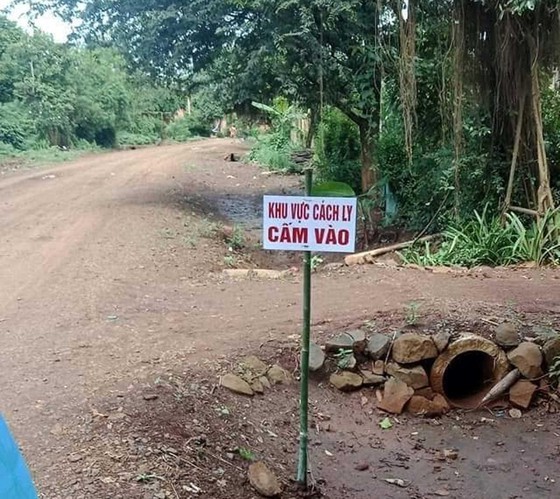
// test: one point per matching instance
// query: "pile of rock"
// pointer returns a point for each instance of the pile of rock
(254, 376)
(406, 370)
(400, 367)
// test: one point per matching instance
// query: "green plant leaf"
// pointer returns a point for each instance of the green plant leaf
(246, 454)
(333, 189)
(386, 424)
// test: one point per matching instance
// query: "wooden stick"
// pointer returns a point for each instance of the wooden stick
(525, 211)
(500, 387)
(369, 256)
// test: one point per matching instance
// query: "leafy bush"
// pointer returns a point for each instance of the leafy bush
(186, 128)
(15, 125)
(271, 153)
(486, 240)
(274, 149)
(135, 139)
(338, 149)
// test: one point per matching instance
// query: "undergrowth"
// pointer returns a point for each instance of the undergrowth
(487, 240)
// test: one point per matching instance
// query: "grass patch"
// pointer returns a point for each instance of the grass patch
(487, 240)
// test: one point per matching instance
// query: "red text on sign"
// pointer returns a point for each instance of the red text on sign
(278, 210)
(332, 236)
(287, 234)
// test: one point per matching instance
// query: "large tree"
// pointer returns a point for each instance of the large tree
(316, 52)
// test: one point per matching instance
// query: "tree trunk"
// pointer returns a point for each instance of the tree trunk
(369, 172)
(312, 126)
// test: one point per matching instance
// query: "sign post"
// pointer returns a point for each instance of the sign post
(308, 223)
(305, 340)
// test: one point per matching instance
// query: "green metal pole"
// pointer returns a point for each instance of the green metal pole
(304, 398)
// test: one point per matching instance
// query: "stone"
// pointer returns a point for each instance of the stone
(255, 365)
(395, 396)
(441, 340)
(415, 377)
(378, 346)
(263, 480)
(236, 384)
(358, 335)
(257, 386)
(425, 392)
(378, 367)
(346, 381)
(371, 379)
(343, 341)
(360, 340)
(421, 406)
(413, 347)
(316, 357)
(507, 335)
(278, 375)
(527, 357)
(551, 350)
(347, 362)
(264, 382)
(521, 394)
(441, 401)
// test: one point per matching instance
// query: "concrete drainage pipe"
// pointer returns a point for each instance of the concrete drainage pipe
(467, 370)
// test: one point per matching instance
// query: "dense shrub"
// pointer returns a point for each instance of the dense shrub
(338, 149)
(186, 128)
(135, 139)
(487, 240)
(15, 125)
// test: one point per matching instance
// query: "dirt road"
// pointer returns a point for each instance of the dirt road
(106, 275)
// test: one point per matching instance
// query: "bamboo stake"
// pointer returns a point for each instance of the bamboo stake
(305, 340)
(500, 387)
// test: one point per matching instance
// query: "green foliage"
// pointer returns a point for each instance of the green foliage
(58, 95)
(266, 153)
(274, 149)
(554, 372)
(338, 149)
(135, 139)
(344, 357)
(539, 243)
(186, 128)
(246, 454)
(486, 240)
(236, 241)
(412, 313)
(333, 189)
(16, 126)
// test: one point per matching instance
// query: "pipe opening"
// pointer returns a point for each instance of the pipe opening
(468, 377)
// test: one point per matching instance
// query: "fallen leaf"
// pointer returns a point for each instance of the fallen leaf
(441, 493)
(386, 424)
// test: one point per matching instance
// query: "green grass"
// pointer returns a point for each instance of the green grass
(487, 240)
(11, 158)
